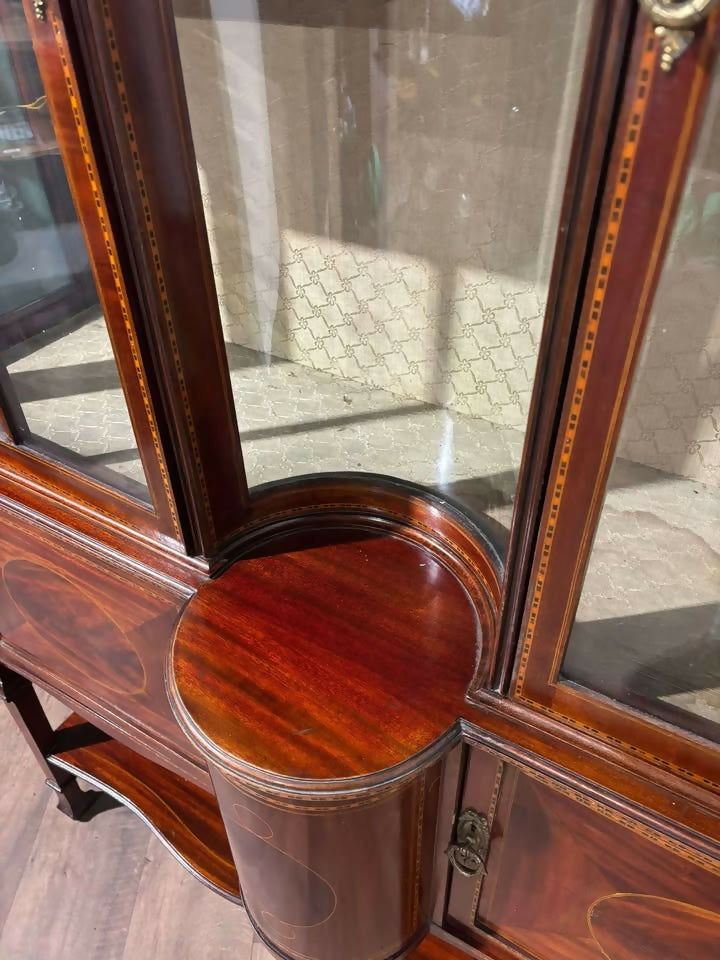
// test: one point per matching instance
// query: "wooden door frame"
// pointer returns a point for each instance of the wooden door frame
(63, 488)
(130, 51)
(658, 126)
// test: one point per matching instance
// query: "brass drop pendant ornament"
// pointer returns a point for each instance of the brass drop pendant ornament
(674, 25)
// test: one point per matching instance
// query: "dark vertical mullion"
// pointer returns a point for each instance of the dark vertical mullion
(131, 48)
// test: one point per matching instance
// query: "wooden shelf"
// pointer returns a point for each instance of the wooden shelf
(183, 816)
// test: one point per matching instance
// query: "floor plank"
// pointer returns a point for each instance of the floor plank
(23, 800)
(177, 918)
(102, 890)
(78, 891)
(23, 806)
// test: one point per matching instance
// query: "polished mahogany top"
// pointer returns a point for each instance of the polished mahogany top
(328, 653)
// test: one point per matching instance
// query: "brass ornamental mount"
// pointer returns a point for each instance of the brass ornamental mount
(472, 839)
(40, 9)
(673, 24)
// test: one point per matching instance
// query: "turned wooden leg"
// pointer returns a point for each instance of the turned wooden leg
(25, 708)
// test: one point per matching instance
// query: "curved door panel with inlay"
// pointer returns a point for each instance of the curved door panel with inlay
(94, 629)
(569, 878)
(346, 876)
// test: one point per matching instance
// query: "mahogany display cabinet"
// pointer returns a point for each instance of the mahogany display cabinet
(360, 457)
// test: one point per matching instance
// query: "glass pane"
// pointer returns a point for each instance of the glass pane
(648, 625)
(61, 388)
(381, 184)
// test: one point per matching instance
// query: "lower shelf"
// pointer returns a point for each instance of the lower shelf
(183, 816)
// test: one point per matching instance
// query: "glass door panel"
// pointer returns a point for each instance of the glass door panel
(61, 389)
(647, 631)
(382, 184)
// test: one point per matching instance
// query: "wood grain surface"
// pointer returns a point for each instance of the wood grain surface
(337, 877)
(323, 673)
(433, 948)
(572, 880)
(359, 662)
(100, 626)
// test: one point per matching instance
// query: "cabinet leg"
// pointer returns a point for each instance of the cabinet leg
(27, 712)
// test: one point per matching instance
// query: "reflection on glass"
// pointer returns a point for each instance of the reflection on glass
(648, 624)
(61, 388)
(381, 184)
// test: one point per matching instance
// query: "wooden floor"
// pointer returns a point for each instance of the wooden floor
(101, 890)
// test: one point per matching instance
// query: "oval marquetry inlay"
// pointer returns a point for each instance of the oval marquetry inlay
(633, 926)
(80, 631)
(299, 897)
(250, 821)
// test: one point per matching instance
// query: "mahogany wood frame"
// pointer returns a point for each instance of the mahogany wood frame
(656, 132)
(140, 96)
(101, 30)
(76, 143)
(491, 781)
(144, 232)
(147, 186)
